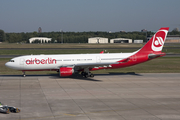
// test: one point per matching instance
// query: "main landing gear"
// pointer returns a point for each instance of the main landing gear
(87, 74)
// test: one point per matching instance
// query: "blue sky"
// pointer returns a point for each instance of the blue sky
(88, 15)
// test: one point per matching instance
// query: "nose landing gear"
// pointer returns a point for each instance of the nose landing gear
(24, 74)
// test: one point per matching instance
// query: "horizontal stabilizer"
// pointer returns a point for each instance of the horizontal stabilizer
(152, 56)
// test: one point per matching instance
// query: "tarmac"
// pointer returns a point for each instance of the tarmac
(123, 96)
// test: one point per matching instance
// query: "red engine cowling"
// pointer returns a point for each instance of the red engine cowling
(66, 71)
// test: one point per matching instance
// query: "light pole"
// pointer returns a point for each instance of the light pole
(146, 37)
(62, 36)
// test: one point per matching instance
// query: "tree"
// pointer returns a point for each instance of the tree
(176, 29)
(74, 37)
(2, 36)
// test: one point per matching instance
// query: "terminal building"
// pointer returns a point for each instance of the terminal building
(170, 39)
(121, 40)
(98, 40)
(138, 41)
(42, 39)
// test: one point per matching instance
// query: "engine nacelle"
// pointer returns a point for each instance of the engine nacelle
(66, 71)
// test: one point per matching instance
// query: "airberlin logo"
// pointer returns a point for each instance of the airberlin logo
(158, 40)
(40, 61)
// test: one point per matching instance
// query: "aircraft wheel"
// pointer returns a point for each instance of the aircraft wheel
(24, 74)
(85, 76)
(91, 75)
(82, 73)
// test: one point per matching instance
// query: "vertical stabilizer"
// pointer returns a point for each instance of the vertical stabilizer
(155, 44)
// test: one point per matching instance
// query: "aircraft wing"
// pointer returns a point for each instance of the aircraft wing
(79, 66)
(92, 65)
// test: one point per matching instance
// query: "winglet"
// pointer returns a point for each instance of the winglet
(101, 52)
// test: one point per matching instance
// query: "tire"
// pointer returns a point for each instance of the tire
(91, 75)
(85, 76)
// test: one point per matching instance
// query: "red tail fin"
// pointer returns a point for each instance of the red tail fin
(152, 49)
(155, 44)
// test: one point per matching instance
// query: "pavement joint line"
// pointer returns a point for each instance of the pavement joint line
(76, 114)
(133, 103)
(161, 93)
(159, 102)
(109, 106)
(88, 92)
(141, 108)
(102, 101)
(152, 99)
(162, 104)
(46, 99)
(73, 99)
(20, 96)
(124, 99)
(32, 118)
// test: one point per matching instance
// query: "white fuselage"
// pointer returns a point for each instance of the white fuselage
(51, 62)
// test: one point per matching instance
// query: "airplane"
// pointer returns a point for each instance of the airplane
(69, 64)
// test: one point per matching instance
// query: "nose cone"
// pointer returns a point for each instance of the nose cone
(7, 64)
(12, 65)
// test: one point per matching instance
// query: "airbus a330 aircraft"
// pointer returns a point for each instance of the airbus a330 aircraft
(68, 64)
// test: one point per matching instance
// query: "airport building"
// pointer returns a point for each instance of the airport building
(121, 40)
(97, 40)
(170, 39)
(42, 39)
(138, 41)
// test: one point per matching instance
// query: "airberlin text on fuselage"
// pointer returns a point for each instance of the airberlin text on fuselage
(40, 61)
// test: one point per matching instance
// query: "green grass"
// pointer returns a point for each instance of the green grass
(82, 45)
(111, 48)
(71, 51)
(159, 65)
(59, 51)
(168, 50)
(68, 45)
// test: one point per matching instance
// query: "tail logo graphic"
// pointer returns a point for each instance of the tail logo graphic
(158, 40)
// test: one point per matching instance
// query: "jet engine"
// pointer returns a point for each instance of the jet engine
(66, 71)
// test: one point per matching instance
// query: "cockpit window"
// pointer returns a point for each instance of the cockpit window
(11, 61)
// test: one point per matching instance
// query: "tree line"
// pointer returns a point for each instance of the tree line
(74, 37)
